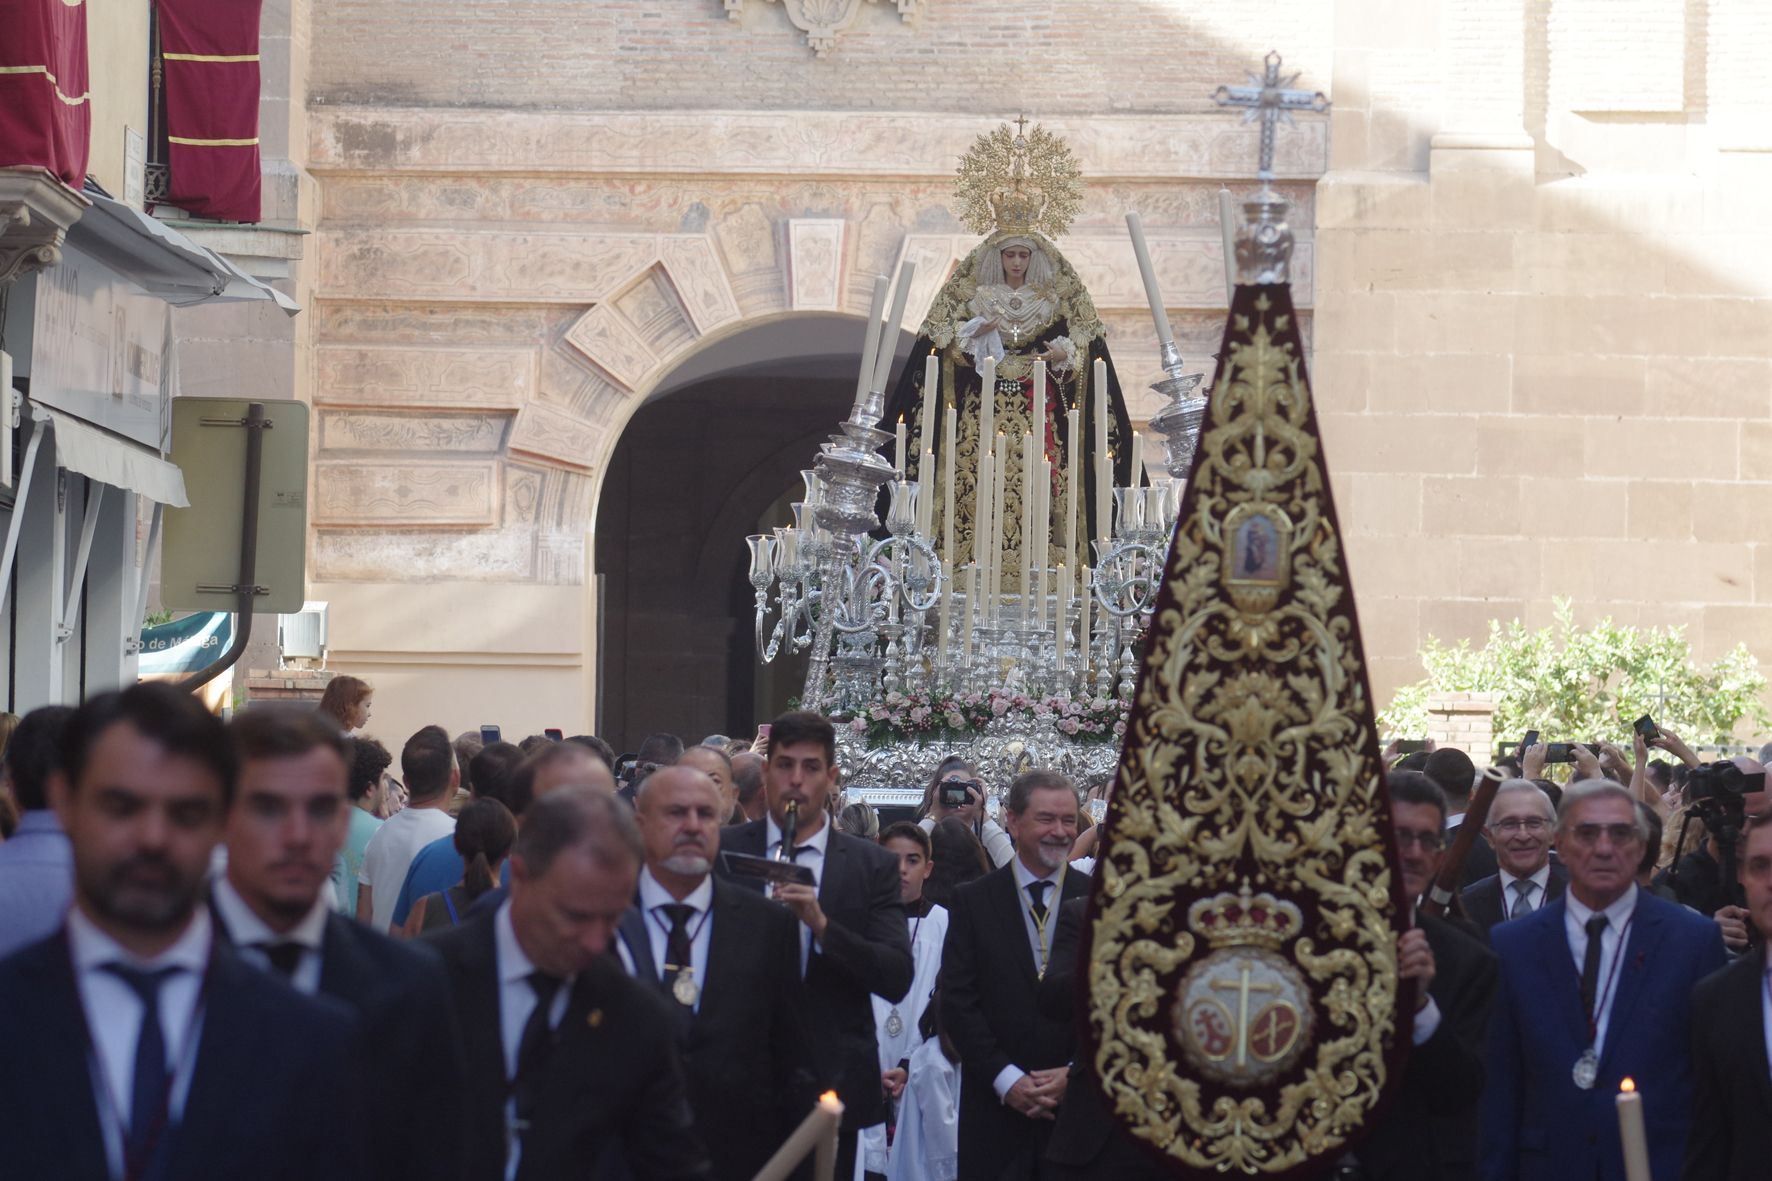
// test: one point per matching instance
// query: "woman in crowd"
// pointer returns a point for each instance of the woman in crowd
(484, 834)
(347, 701)
(957, 858)
(859, 820)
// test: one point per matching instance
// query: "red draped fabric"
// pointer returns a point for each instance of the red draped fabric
(210, 51)
(45, 116)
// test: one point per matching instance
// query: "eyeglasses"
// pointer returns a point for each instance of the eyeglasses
(1618, 834)
(1512, 825)
(1427, 842)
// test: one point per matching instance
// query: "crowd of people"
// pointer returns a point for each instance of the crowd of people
(252, 949)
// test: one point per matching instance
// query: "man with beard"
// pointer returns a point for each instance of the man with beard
(1521, 821)
(999, 942)
(274, 904)
(728, 963)
(137, 1044)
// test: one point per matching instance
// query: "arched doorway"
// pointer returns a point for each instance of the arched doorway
(713, 455)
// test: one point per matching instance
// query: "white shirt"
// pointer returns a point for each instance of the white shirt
(658, 928)
(1039, 948)
(1575, 916)
(516, 1001)
(389, 855)
(248, 931)
(114, 1017)
(811, 856)
(1536, 896)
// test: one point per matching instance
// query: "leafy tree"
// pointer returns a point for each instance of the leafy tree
(1582, 684)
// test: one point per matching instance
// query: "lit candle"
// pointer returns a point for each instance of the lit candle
(1137, 458)
(871, 342)
(1630, 1132)
(931, 383)
(1152, 293)
(816, 1136)
(1227, 229)
(949, 432)
(898, 451)
(1073, 470)
(1103, 479)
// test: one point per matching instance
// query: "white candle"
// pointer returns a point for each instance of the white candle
(889, 333)
(1042, 537)
(816, 1134)
(1227, 229)
(1137, 458)
(1073, 470)
(898, 450)
(999, 466)
(871, 341)
(968, 613)
(987, 417)
(1039, 420)
(1062, 578)
(931, 383)
(1085, 599)
(949, 432)
(1630, 1132)
(987, 402)
(1103, 477)
(926, 493)
(944, 617)
(1028, 496)
(1152, 292)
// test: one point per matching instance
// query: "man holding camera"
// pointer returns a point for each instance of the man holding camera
(1731, 1138)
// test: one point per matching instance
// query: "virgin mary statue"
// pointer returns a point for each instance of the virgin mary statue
(1016, 300)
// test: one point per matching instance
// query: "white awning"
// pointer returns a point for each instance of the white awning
(160, 260)
(111, 460)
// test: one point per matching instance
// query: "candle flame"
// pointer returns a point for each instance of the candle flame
(829, 1099)
(1628, 1086)
(901, 420)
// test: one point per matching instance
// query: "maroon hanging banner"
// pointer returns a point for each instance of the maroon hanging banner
(45, 112)
(210, 51)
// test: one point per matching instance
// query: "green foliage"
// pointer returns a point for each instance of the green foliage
(1581, 684)
(156, 618)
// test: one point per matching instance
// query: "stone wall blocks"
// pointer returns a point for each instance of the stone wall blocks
(1399, 443)
(1490, 568)
(1471, 506)
(1518, 445)
(1642, 446)
(1662, 510)
(1736, 511)
(1555, 506)
(1359, 201)
(1579, 384)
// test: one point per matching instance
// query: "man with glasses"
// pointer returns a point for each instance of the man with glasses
(1521, 821)
(1596, 987)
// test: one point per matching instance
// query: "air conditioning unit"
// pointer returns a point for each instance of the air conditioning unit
(301, 638)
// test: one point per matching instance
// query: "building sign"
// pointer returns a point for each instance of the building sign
(186, 645)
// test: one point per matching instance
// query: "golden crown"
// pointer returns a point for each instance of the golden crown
(1244, 919)
(1018, 181)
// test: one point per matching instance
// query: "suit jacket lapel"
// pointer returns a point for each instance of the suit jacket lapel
(1009, 900)
(56, 1038)
(722, 950)
(1562, 983)
(633, 932)
(222, 1071)
(836, 865)
(1632, 970)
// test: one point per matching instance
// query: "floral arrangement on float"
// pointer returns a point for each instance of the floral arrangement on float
(958, 717)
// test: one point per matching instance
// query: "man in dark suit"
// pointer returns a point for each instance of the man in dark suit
(1430, 1130)
(854, 941)
(1731, 1137)
(1014, 1062)
(274, 904)
(572, 1066)
(728, 963)
(1087, 1144)
(1521, 821)
(206, 1067)
(1595, 987)
(1456, 775)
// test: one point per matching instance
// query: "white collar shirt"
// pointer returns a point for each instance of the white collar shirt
(1618, 916)
(114, 1016)
(1535, 896)
(811, 854)
(653, 899)
(250, 934)
(1039, 937)
(516, 1001)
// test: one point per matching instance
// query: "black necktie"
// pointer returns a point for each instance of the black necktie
(533, 1046)
(1038, 891)
(677, 953)
(1590, 965)
(285, 957)
(148, 1093)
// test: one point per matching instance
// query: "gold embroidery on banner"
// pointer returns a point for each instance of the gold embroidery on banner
(44, 70)
(1248, 765)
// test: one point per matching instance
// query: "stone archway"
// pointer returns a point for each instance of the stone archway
(497, 294)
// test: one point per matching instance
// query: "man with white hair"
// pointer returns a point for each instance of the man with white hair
(1521, 822)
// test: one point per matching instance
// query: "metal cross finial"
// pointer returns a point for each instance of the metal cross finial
(1270, 99)
(1021, 123)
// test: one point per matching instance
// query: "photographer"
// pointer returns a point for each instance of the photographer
(1721, 796)
(956, 791)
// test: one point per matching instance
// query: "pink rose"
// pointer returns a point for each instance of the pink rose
(1119, 729)
(859, 725)
(956, 720)
(1069, 726)
(999, 706)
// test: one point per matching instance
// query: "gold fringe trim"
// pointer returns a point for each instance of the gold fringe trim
(212, 143)
(210, 57)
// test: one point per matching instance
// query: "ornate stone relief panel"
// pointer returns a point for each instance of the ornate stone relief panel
(823, 21)
(361, 430)
(700, 280)
(554, 436)
(435, 378)
(815, 263)
(411, 493)
(439, 264)
(610, 340)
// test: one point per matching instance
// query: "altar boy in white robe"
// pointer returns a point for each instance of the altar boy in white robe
(896, 1025)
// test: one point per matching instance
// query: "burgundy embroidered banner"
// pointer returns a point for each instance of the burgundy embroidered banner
(45, 116)
(210, 51)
